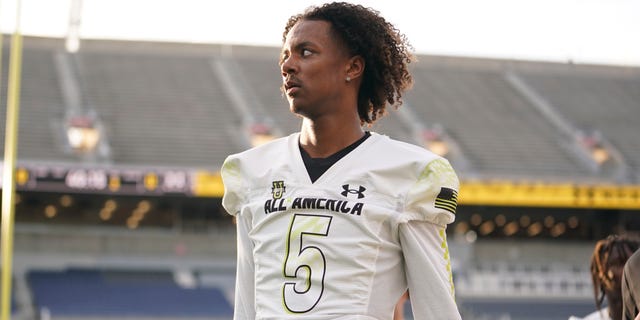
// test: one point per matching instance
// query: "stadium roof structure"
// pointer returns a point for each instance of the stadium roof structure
(167, 114)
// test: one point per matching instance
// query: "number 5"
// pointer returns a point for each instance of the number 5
(304, 266)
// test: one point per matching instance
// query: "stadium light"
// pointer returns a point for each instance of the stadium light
(50, 211)
(595, 145)
(82, 134)
(600, 155)
(438, 147)
(573, 222)
(471, 236)
(534, 229)
(476, 219)
(260, 134)
(549, 221)
(66, 201)
(461, 227)
(511, 228)
(487, 227)
(434, 141)
(105, 214)
(525, 221)
(132, 223)
(558, 229)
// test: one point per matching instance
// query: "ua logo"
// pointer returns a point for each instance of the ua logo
(277, 189)
(347, 191)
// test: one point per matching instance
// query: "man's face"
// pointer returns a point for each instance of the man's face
(313, 66)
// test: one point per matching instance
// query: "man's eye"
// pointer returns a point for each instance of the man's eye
(306, 52)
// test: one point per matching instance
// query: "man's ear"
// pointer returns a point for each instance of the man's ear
(355, 68)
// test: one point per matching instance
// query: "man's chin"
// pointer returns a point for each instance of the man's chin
(303, 111)
(296, 109)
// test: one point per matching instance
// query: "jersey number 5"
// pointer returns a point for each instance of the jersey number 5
(304, 264)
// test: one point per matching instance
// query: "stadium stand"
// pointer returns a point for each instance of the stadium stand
(262, 76)
(188, 106)
(41, 136)
(77, 293)
(152, 100)
(178, 89)
(497, 128)
(517, 270)
(604, 101)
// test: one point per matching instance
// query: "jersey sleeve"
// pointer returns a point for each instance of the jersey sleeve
(233, 199)
(244, 301)
(428, 270)
(434, 196)
(233, 185)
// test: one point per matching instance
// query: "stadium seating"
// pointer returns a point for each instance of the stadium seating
(547, 309)
(496, 127)
(262, 77)
(597, 100)
(160, 109)
(40, 135)
(122, 293)
(168, 105)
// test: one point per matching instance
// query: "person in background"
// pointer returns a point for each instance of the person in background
(607, 262)
(631, 288)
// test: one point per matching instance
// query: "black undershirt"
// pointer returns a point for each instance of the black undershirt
(316, 167)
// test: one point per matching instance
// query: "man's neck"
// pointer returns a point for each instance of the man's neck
(321, 139)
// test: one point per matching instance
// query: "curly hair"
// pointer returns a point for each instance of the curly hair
(608, 255)
(386, 52)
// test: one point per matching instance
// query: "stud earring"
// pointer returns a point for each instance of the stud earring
(348, 79)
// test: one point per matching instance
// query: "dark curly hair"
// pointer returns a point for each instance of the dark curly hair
(386, 53)
(608, 259)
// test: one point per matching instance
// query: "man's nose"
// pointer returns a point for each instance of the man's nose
(288, 67)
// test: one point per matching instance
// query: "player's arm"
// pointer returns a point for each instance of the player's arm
(428, 271)
(430, 205)
(234, 198)
(244, 308)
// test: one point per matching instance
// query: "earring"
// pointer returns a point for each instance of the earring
(348, 79)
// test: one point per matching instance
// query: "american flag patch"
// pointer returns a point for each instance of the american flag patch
(447, 199)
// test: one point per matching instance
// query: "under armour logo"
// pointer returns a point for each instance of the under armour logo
(347, 191)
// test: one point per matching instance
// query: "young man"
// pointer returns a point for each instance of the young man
(334, 222)
(607, 262)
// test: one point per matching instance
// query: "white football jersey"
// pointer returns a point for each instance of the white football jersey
(348, 245)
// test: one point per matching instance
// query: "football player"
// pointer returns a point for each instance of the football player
(336, 222)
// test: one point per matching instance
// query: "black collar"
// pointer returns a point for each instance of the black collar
(316, 167)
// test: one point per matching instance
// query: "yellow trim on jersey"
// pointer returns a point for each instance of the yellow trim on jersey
(447, 258)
